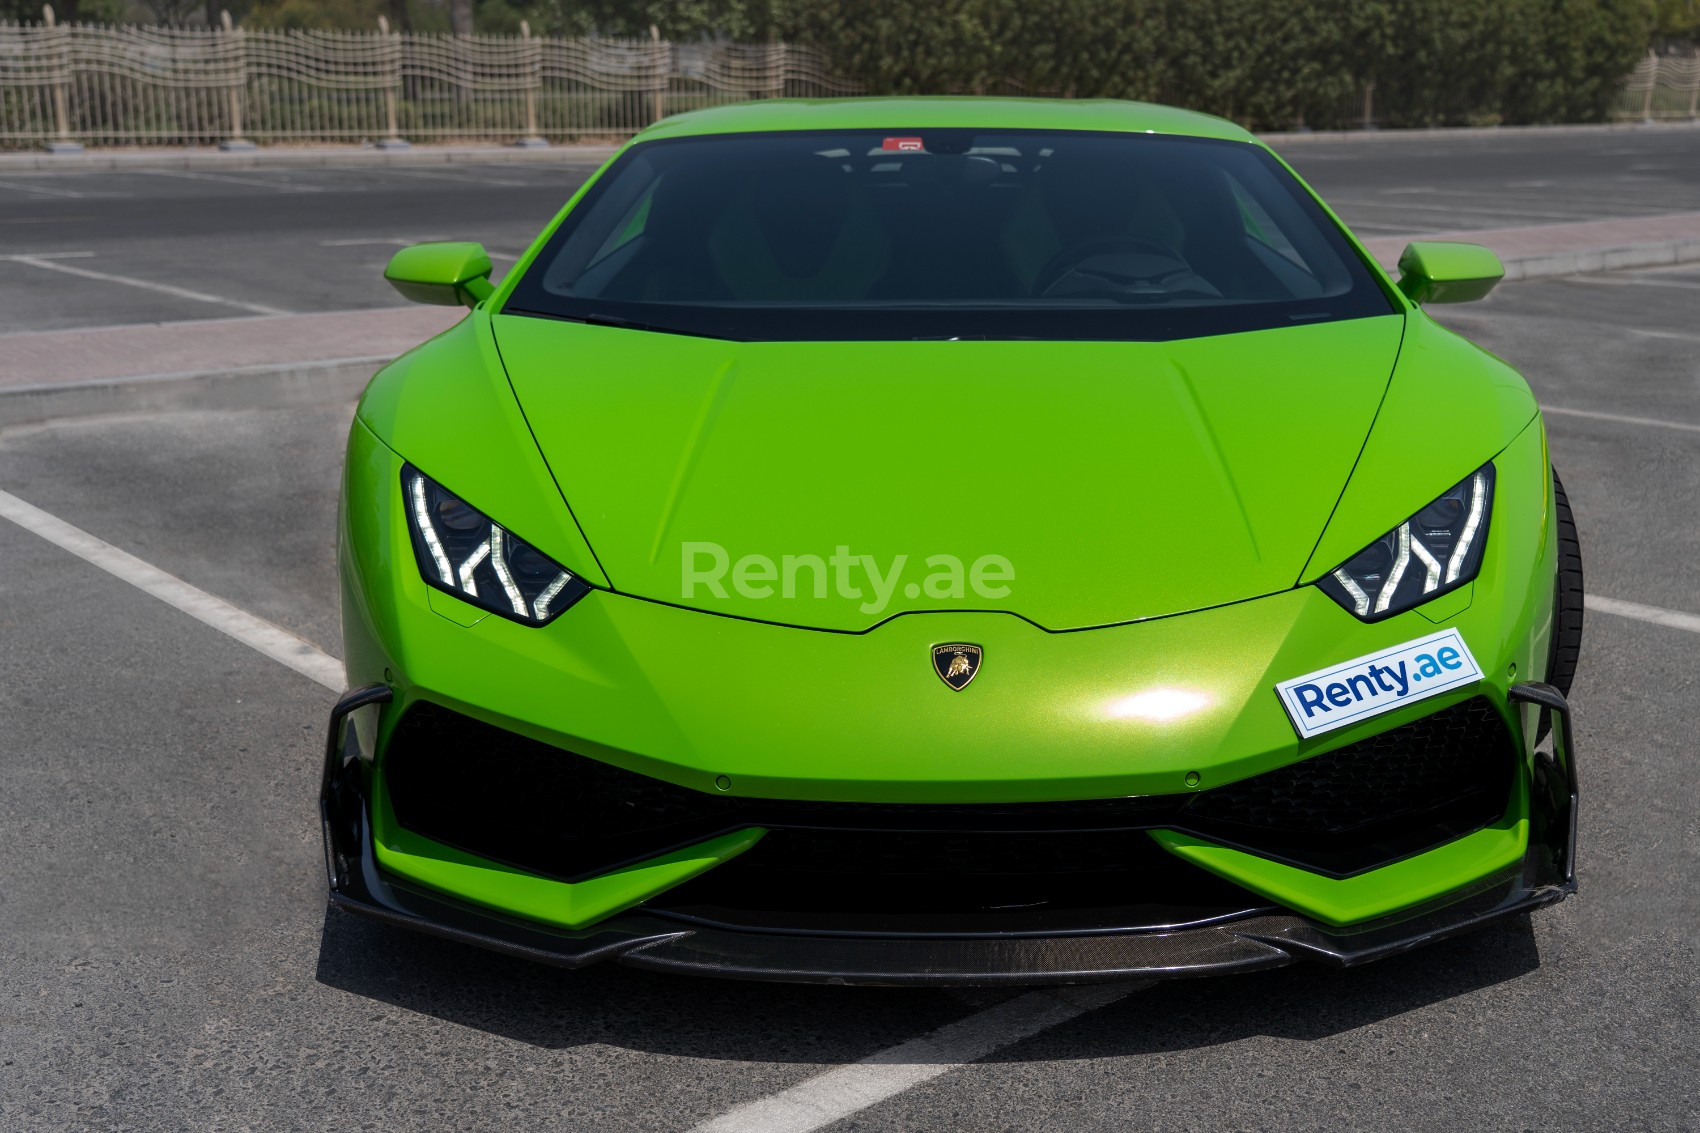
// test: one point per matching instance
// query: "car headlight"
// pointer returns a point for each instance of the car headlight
(462, 551)
(1437, 550)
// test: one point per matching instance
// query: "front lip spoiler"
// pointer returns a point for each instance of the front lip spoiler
(1256, 942)
(642, 941)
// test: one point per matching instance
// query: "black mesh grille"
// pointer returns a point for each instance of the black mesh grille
(545, 810)
(880, 882)
(950, 853)
(1426, 763)
(501, 795)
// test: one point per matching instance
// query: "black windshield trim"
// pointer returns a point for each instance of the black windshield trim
(792, 325)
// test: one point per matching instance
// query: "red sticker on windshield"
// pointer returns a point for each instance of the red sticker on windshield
(904, 145)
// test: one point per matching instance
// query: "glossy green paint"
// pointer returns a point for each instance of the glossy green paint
(945, 112)
(658, 439)
(785, 712)
(1349, 900)
(1450, 408)
(1121, 480)
(449, 274)
(560, 903)
(448, 406)
(1439, 271)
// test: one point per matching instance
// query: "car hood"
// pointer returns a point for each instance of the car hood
(1118, 480)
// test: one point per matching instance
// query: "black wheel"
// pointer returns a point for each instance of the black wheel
(1567, 605)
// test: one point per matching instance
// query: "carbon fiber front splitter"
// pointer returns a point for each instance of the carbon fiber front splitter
(1252, 943)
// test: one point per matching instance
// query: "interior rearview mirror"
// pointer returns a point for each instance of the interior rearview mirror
(1437, 271)
(448, 274)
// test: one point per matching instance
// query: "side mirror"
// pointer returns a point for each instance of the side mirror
(1435, 271)
(447, 274)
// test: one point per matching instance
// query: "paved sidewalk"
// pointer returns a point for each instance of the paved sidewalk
(1568, 249)
(161, 350)
(244, 363)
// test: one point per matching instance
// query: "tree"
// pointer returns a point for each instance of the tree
(173, 11)
(310, 15)
(1677, 21)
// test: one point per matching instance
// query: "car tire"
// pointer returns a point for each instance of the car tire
(1567, 604)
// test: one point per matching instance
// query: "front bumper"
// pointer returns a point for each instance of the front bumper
(1257, 938)
(751, 713)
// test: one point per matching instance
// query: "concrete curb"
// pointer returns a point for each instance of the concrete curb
(1655, 254)
(259, 387)
(1451, 133)
(1536, 251)
(285, 157)
(296, 157)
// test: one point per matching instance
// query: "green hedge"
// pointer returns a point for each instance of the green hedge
(1267, 63)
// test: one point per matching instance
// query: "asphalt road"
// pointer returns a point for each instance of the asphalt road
(167, 959)
(299, 240)
(169, 963)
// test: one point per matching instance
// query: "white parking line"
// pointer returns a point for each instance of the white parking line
(249, 182)
(144, 284)
(1620, 418)
(393, 241)
(837, 1094)
(278, 644)
(1635, 281)
(1683, 284)
(1572, 195)
(1349, 204)
(46, 192)
(397, 242)
(465, 180)
(1658, 615)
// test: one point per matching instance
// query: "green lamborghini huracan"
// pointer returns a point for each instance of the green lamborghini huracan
(951, 541)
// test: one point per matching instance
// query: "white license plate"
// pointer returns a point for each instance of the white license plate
(1377, 682)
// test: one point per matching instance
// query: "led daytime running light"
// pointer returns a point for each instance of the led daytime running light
(1478, 508)
(1436, 550)
(497, 571)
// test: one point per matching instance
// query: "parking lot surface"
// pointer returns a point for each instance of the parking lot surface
(169, 963)
(110, 248)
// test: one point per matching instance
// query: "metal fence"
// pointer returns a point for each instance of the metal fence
(151, 86)
(200, 86)
(1663, 86)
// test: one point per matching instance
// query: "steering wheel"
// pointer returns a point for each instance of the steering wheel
(1070, 259)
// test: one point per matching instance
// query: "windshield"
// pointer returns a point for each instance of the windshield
(905, 234)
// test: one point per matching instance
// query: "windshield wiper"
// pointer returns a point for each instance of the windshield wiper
(618, 322)
(977, 338)
(599, 320)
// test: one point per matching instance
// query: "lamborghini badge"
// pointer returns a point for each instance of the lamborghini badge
(956, 665)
